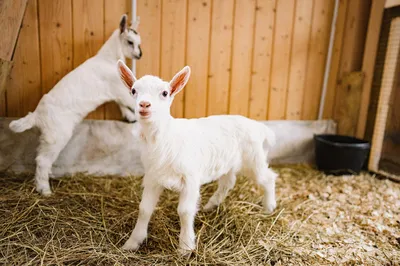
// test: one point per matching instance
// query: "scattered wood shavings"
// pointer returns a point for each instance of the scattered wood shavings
(320, 220)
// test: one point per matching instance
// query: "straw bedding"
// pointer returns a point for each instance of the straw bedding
(320, 220)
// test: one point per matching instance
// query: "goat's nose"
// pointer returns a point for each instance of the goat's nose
(145, 104)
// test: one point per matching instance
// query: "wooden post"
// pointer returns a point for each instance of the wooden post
(371, 45)
(388, 79)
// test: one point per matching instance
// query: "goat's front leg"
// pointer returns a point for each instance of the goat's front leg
(187, 209)
(128, 114)
(150, 197)
(126, 105)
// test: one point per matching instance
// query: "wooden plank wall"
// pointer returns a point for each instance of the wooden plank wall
(260, 58)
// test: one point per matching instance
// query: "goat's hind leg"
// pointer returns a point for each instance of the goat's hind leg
(225, 184)
(266, 178)
(47, 153)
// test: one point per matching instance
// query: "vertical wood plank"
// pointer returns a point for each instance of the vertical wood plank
(113, 11)
(390, 159)
(150, 32)
(3, 103)
(262, 56)
(24, 82)
(88, 35)
(242, 57)
(388, 83)
(371, 47)
(355, 32)
(197, 48)
(220, 57)
(298, 62)
(56, 46)
(353, 45)
(347, 110)
(173, 44)
(11, 15)
(336, 55)
(320, 31)
(281, 59)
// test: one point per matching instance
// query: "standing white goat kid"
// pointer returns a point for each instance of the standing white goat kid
(81, 91)
(183, 154)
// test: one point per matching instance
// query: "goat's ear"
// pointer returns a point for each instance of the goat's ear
(123, 23)
(126, 74)
(135, 23)
(179, 80)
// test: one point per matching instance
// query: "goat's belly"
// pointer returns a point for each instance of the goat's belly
(213, 175)
(171, 182)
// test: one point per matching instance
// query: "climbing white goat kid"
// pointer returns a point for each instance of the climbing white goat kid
(183, 154)
(81, 91)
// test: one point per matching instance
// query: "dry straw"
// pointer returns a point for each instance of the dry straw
(320, 220)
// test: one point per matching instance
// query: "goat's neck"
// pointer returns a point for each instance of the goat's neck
(153, 131)
(111, 50)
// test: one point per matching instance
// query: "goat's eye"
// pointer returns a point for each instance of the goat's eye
(165, 93)
(130, 43)
(133, 91)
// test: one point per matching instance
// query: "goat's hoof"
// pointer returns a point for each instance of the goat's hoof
(127, 120)
(44, 190)
(131, 245)
(184, 252)
(269, 207)
(209, 207)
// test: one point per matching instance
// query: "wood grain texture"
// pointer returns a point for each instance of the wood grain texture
(88, 36)
(173, 44)
(247, 57)
(150, 32)
(3, 102)
(113, 11)
(335, 63)
(371, 47)
(243, 36)
(355, 32)
(388, 84)
(262, 58)
(298, 62)
(390, 159)
(281, 59)
(353, 45)
(320, 32)
(348, 108)
(197, 48)
(220, 57)
(56, 44)
(11, 14)
(25, 79)
(5, 69)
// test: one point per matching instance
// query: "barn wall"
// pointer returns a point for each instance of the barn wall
(260, 58)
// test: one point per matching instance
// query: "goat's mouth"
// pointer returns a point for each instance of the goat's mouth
(137, 57)
(144, 114)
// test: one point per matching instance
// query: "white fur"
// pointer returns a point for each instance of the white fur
(183, 154)
(81, 91)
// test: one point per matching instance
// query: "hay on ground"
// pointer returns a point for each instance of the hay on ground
(320, 220)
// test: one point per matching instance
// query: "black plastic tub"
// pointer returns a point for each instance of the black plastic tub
(338, 155)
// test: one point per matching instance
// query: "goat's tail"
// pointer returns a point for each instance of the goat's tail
(23, 123)
(270, 136)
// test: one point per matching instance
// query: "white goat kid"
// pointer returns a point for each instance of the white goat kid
(183, 154)
(81, 91)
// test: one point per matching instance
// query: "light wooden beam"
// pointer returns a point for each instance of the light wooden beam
(371, 45)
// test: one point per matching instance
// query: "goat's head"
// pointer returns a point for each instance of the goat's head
(153, 96)
(130, 38)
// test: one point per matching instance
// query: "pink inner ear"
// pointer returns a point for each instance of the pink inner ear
(178, 82)
(126, 76)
